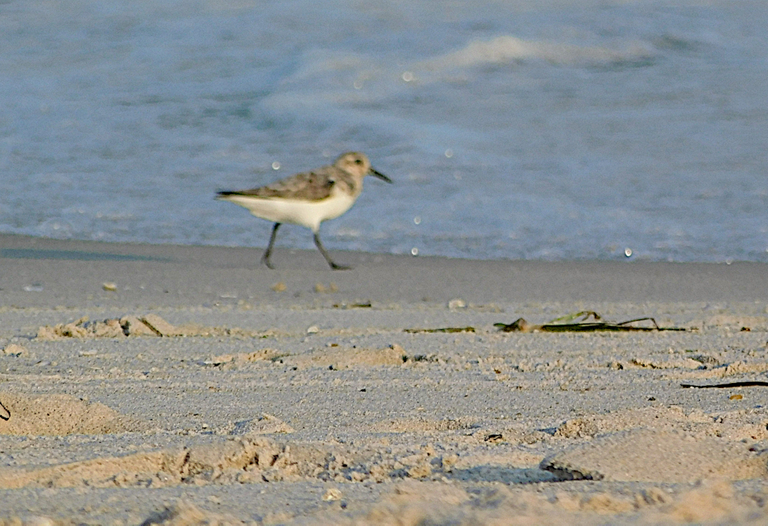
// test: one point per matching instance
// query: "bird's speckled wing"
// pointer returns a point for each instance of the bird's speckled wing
(306, 186)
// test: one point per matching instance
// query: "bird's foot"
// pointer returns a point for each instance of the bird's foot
(268, 263)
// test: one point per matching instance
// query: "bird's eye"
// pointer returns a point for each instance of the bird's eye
(358, 161)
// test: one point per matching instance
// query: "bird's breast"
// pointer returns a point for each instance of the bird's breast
(296, 211)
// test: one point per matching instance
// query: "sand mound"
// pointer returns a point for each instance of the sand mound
(62, 415)
(735, 425)
(262, 425)
(154, 469)
(420, 425)
(657, 456)
(347, 357)
(252, 459)
(149, 325)
(329, 358)
(412, 503)
(657, 452)
(683, 363)
(185, 513)
(245, 460)
(235, 360)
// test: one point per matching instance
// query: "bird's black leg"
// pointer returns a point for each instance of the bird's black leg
(320, 247)
(268, 252)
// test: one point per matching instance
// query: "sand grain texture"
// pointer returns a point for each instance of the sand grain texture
(196, 391)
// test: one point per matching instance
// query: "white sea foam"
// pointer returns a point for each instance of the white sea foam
(509, 49)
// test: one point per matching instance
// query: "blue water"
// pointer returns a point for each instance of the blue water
(513, 129)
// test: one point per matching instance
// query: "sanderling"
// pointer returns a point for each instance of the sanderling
(308, 198)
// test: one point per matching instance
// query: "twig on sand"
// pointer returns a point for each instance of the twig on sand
(443, 329)
(589, 321)
(745, 383)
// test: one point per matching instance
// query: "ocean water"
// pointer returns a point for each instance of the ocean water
(549, 129)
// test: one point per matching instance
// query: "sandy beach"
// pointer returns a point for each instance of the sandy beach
(158, 384)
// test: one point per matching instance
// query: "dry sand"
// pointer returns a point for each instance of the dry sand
(190, 385)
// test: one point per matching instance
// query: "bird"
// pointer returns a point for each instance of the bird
(308, 198)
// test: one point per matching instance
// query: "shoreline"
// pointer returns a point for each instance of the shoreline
(204, 386)
(179, 274)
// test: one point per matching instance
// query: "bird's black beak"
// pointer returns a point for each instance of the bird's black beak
(379, 175)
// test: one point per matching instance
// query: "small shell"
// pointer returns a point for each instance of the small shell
(332, 494)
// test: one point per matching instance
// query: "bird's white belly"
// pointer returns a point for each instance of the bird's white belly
(305, 213)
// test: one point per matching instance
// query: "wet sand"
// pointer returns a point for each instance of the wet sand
(178, 385)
